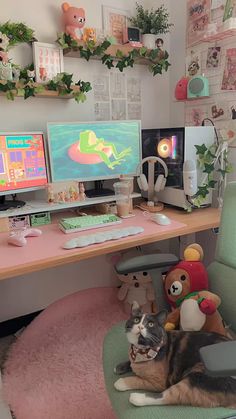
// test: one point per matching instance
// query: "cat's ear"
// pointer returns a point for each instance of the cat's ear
(161, 317)
(135, 309)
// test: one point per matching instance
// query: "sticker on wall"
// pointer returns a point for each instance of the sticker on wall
(229, 76)
(213, 57)
(193, 64)
(233, 112)
(195, 116)
(198, 17)
(218, 111)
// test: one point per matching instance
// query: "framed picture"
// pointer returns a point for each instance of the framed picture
(115, 22)
(48, 61)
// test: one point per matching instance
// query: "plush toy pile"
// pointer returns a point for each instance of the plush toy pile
(194, 307)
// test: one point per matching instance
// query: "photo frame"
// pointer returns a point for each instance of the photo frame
(115, 22)
(48, 61)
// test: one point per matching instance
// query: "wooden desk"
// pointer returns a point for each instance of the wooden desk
(46, 251)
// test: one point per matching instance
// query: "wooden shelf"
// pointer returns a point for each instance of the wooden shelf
(220, 35)
(46, 93)
(192, 99)
(112, 50)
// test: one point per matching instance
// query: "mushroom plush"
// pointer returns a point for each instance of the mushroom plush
(194, 307)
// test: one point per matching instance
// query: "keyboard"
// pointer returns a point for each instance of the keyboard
(87, 222)
(102, 237)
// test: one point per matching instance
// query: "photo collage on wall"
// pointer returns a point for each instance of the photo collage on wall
(198, 18)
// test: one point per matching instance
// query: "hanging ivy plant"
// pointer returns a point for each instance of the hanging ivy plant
(62, 84)
(156, 58)
(17, 33)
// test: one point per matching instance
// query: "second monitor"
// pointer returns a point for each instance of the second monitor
(92, 151)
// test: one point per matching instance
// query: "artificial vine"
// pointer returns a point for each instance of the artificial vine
(62, 83)
(17, 33)
(157, 58)
(213, 161)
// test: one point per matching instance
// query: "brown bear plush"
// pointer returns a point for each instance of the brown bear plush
(186, 287)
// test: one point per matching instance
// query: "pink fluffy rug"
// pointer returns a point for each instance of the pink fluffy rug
(54, 370)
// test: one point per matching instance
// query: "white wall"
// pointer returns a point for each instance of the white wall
(23, 295)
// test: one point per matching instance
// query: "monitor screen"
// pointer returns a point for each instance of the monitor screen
(22, 162)
(93, 150)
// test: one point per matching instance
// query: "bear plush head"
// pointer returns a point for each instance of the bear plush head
(74, 18)
(187, 276)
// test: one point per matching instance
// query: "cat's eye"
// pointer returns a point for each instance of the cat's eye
(136, 320)
(145, 273)
(183, 277)
(150, 324)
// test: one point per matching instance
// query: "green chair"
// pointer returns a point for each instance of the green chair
(222, 276)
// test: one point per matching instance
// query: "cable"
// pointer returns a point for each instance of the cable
(212, 123)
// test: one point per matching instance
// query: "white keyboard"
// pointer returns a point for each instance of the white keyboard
(102, 237)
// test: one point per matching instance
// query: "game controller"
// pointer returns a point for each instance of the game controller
(18, 238)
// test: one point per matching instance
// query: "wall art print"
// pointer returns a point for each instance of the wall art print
(198, 18)
(213, 57)
(229, 76)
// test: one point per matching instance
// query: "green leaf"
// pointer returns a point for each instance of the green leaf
(202, 191)
(212, 184)
(209, 168)
(29, 92)
(201, 149)
(119, 54)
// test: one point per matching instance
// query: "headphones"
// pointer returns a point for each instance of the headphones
(160, 183)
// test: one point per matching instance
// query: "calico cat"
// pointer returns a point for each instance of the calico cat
(169, 364)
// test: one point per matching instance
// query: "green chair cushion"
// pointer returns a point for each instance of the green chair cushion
(115, 350)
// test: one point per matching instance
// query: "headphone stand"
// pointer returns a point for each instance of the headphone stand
(158, 207)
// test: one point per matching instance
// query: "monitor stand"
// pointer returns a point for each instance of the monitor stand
(7, 204)
(99, 191)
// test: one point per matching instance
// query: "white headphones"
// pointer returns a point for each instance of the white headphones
(160, 183)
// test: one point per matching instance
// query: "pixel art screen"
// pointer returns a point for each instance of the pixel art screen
(93, 150)
(22, 161)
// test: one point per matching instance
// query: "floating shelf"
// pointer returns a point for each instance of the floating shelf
(46, 93)
(220, 35)
(192, 99)
(112, 50)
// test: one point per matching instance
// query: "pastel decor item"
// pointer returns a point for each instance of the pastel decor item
(194, 308)
(198, 86)
(149, 40)
(5, 71)
(74, 21)
(181, 89)
(89, 35)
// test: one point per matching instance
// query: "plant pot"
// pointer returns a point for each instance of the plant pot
(149, 40)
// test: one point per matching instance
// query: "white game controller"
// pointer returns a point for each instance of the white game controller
(18, 238)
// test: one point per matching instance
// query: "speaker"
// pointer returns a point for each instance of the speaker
(198, 86)
(160, 183)
(181, 89)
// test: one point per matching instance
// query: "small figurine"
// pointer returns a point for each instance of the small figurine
(89, 35)
(51, 198)
(31, 74)
(82, 191)
(74, 20)
(4, 42)
(16, 73)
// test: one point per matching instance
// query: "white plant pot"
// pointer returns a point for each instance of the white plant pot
(149, 40)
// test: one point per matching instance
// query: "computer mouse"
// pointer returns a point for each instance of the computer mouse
(161, 219)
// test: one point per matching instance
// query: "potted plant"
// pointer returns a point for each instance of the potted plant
(151, 23)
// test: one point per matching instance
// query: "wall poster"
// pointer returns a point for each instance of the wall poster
(229, 76)
(198, 18)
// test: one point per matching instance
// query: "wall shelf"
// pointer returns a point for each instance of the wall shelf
(219, 36)
(46, 93)
(112, 50)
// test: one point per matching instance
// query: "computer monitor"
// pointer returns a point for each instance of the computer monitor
(88, 151)
(22, 165)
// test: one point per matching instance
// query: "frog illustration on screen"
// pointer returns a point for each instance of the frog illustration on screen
(91, 144)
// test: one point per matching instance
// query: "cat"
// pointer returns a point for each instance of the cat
(169, 364)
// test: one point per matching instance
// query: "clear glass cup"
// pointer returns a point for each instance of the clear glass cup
(122, 196)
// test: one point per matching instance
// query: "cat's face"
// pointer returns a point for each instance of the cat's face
(146, 329)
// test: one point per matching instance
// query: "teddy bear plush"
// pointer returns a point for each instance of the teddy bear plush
(74, 21)
(194, 307)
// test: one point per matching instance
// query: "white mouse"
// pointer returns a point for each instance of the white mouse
(161, 219)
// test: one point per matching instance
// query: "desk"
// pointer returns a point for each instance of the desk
(46, 251)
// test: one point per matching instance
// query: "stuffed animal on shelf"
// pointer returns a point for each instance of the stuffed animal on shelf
(186, 288)
(89, 35)
(74, 21)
